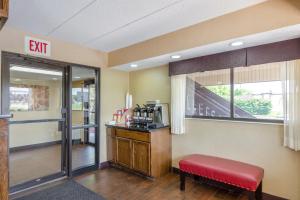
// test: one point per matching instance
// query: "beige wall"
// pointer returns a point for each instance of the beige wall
(259, 144)
(270, 15)
(256, 143)
(12, 40)
(150, 84)
(77, 115)
(114, 86)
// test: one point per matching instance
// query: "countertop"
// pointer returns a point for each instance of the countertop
(133, 128)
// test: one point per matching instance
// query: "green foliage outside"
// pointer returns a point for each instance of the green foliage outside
(255, 106)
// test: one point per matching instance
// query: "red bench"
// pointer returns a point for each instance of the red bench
(237, 174)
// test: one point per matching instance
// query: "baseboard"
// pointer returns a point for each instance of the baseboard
(41, 145)
(272, 197)
(104, 165)
(76, 141)
(266, 196)
(34, 146)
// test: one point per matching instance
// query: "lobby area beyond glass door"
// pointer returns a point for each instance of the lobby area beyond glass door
(37, 141)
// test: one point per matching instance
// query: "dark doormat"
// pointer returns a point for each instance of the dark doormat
(69, 190)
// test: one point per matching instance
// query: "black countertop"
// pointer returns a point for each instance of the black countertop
(135, 128)
(5, 116)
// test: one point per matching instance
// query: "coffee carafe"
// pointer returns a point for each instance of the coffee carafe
(137, 111)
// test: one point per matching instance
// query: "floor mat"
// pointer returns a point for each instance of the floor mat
(69, 190)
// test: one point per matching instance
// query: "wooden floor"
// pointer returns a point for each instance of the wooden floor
(115, 184)
(32, 164)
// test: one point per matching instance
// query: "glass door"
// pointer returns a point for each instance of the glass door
(84, 118)
(54, 131)
(37, 142)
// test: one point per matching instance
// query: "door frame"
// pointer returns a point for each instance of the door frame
(96, 165)
(88, 83)
(6, 59)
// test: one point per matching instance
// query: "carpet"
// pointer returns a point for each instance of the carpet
(69, 190)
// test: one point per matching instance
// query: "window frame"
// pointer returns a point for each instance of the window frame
(232, 118)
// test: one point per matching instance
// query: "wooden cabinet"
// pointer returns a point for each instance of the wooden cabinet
(148, 153)
(124, 152)
(4, 158)
(3, 12)
(141, 157)
(111, 144)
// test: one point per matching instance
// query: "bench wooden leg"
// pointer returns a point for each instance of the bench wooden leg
(196, 178)
(258, 192)
(182, 180)
(251, 195)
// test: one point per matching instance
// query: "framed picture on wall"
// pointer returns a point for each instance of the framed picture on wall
(28, 97)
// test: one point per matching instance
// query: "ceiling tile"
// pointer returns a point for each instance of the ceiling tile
(112, 24)
(106, 16)
(40, 17)
(183, 14)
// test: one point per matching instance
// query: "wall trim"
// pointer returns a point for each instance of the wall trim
(104, 165)
(40, 145)
(34, 146)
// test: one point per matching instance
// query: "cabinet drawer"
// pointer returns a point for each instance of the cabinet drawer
(135, 135)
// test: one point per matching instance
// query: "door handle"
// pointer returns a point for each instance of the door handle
(60, 125)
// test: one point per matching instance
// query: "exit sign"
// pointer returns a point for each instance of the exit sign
(37, 47)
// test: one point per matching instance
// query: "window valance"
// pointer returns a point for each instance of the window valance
(268, 53)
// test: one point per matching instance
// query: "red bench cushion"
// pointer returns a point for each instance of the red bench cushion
(232, 172)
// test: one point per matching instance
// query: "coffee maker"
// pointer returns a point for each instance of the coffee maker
(152, 115)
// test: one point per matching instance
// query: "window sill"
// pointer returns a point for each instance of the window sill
(236, 120)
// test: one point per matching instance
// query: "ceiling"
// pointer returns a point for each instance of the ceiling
(277, 35)
(108, 25)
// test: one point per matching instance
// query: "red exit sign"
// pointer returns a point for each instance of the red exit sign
(37, 47)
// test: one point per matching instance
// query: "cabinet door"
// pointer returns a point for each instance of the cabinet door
(3, 12)
(141, 156)
(123, 152)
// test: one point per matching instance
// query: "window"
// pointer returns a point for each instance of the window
(77, 99)
(208, 94)
(258, 91)
(29, 97)
(253, 93)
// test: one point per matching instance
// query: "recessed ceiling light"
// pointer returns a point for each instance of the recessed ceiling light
(133, 65)
(175, 56)
(17, 79)
(77, 77)
(37, 71)
(236, 43)
(54, 79)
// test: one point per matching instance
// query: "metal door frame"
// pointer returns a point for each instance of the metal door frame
(96, 125)
(6, 59)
